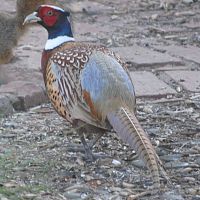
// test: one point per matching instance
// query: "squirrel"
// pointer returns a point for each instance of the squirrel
(11, 27)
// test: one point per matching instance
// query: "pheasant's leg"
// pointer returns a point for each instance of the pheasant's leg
(79, 148)
(87, 149)
(96, 139)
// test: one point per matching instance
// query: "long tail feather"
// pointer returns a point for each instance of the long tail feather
(129, 130)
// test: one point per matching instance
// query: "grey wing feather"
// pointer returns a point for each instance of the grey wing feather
(108, 83)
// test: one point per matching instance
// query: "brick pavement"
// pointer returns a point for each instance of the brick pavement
(25, 87)
(144, 57)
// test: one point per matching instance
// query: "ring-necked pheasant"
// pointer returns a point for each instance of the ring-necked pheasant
(89, 84)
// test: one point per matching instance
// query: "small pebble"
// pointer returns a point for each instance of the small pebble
(154, 16)
(189, 179)
(124, 193)
(184, 13)
(179, 89)
(127, 185)
(113, 17)
(186, 170)
(193, 191)
(29, 196)
(148, 109)
(72, 195)
(84, 196)
(116, 162)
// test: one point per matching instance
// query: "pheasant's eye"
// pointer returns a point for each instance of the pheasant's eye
(50, 13)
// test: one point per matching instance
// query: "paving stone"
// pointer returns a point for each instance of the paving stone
(141, 56)
(171, 67)
(89, 32)
(29, 51)
(89, 39)
(88, 28)
(8, 6)
(148, 85)
(89, 7)
(190, 80)
(190, 53)
(35, 36)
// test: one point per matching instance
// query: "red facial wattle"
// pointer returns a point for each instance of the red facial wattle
(49, 20)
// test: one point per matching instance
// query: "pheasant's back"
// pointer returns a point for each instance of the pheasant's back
(62, 75)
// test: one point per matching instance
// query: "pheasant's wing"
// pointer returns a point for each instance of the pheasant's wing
(106, 86)
(65, 93)
(89, 85)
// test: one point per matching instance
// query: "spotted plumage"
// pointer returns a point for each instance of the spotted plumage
(62, 76)
(90, 84)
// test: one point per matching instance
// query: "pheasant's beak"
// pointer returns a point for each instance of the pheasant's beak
(32, 18)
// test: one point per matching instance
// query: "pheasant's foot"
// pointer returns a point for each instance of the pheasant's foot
(95, 140)
(80, 148)
(88, 151)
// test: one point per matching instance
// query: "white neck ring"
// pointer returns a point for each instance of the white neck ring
(55, 42)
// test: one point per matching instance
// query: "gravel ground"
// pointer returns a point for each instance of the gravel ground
(36, 163)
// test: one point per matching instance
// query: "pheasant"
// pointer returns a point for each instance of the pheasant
(90, 86)
(11, 27)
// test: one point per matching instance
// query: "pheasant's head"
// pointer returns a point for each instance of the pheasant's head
(56, 21)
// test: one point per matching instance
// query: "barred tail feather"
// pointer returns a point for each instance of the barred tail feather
(129, 130)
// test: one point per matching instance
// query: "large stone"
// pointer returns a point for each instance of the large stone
(3, 76)
(141, 56)
(148, 85)
(190, 80)
(5, 105)
(28, 94)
